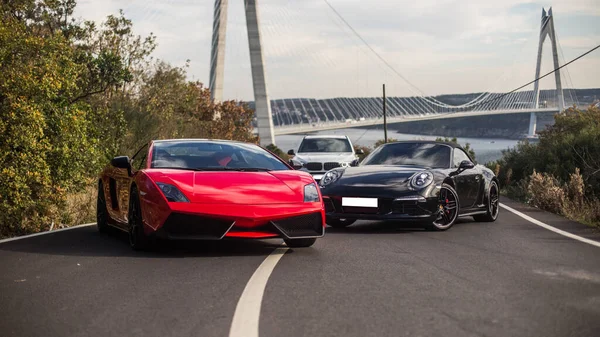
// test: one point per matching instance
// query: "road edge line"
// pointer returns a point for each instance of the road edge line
(46, 232)
(247, 311)
(550, 228)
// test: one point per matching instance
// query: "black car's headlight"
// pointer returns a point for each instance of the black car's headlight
(421, 179)
(311, 194)
(172, 193)
(330, 177)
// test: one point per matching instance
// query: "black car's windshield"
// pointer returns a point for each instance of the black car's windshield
(414, 154)
(325, 145)
(213, 156)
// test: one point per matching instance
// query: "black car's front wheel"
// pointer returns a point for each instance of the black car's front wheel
(299, 243)
(340, 223)
(447, 209)
(493, 205)
(138, 240)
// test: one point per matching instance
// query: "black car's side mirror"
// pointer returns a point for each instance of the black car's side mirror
(122, 162)
(291, 153)
(466, 165)
(360, 152)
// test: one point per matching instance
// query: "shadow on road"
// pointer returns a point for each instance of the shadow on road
(88, 242)
(388, 227)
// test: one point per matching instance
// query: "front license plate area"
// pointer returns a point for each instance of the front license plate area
(360, 202)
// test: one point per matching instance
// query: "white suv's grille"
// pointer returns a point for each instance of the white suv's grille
(314, 166)
(330, 166)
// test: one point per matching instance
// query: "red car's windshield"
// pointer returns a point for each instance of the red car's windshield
(213, 155)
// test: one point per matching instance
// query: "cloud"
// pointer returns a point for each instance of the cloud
(442, 46)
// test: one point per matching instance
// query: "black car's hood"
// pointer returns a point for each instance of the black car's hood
(377, 175)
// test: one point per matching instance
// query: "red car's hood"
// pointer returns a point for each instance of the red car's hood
(249, 188)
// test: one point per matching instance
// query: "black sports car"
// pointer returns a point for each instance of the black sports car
(423, 181)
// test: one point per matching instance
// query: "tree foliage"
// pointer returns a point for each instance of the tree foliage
(572, 143)
(467, 146)
(75, 93)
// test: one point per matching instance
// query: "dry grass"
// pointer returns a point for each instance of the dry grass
(80, 207)
(546, 192)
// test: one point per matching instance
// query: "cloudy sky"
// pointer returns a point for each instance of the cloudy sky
(440, 46)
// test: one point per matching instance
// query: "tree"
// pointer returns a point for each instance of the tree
(45, 146)
(467, 146)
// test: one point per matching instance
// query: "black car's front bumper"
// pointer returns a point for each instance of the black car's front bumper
(406, 208)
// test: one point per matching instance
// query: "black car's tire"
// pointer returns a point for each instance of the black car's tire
(299, 243)
(448, 208)
(493, 204)
(138, 240)
(340, 223)
(101, 212)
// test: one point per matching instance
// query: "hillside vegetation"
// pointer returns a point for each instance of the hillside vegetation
(560, 173)
(74, 94)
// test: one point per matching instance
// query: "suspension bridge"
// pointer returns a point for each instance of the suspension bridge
(301, 115)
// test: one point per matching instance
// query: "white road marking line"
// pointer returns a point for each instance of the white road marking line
(46, 232)
(247, 312)
(550, 228)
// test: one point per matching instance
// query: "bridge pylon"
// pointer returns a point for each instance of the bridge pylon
(546, 31)
(259, 81)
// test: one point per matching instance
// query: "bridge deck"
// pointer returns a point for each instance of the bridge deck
(304, 128)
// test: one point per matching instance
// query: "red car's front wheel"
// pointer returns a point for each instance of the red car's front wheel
(138, 240)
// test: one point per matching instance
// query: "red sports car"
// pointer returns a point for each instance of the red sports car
(208, 190)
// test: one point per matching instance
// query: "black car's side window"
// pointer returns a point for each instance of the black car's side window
(459, 157)
(139, 158)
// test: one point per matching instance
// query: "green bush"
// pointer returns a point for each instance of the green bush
(277, 151)
(562, 169)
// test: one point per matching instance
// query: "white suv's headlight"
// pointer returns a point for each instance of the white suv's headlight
(311, 194)
(421, 179)
(330, 177)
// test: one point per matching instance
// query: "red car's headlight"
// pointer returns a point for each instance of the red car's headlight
(310, 193)
(172, 193)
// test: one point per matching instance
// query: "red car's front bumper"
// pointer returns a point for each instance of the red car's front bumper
(218, 221)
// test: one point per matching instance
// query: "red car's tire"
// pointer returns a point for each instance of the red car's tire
(101, 213)
(299, 243)
(138, 240)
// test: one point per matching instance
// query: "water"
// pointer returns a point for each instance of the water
(486, 149)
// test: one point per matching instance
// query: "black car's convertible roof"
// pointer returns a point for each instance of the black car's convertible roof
(451, 144)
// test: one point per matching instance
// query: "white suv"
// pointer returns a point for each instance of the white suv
(319, 154)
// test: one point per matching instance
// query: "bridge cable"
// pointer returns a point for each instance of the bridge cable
(543, 76)
(430, 99)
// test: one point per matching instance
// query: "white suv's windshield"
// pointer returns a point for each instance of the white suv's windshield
(325, 145)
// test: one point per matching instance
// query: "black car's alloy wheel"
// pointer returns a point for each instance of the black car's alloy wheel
(493, 205)
(447, 210)
(101, 214)
(340, 223)
(138, 240)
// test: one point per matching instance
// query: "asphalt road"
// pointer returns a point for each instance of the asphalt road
(509, 278)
